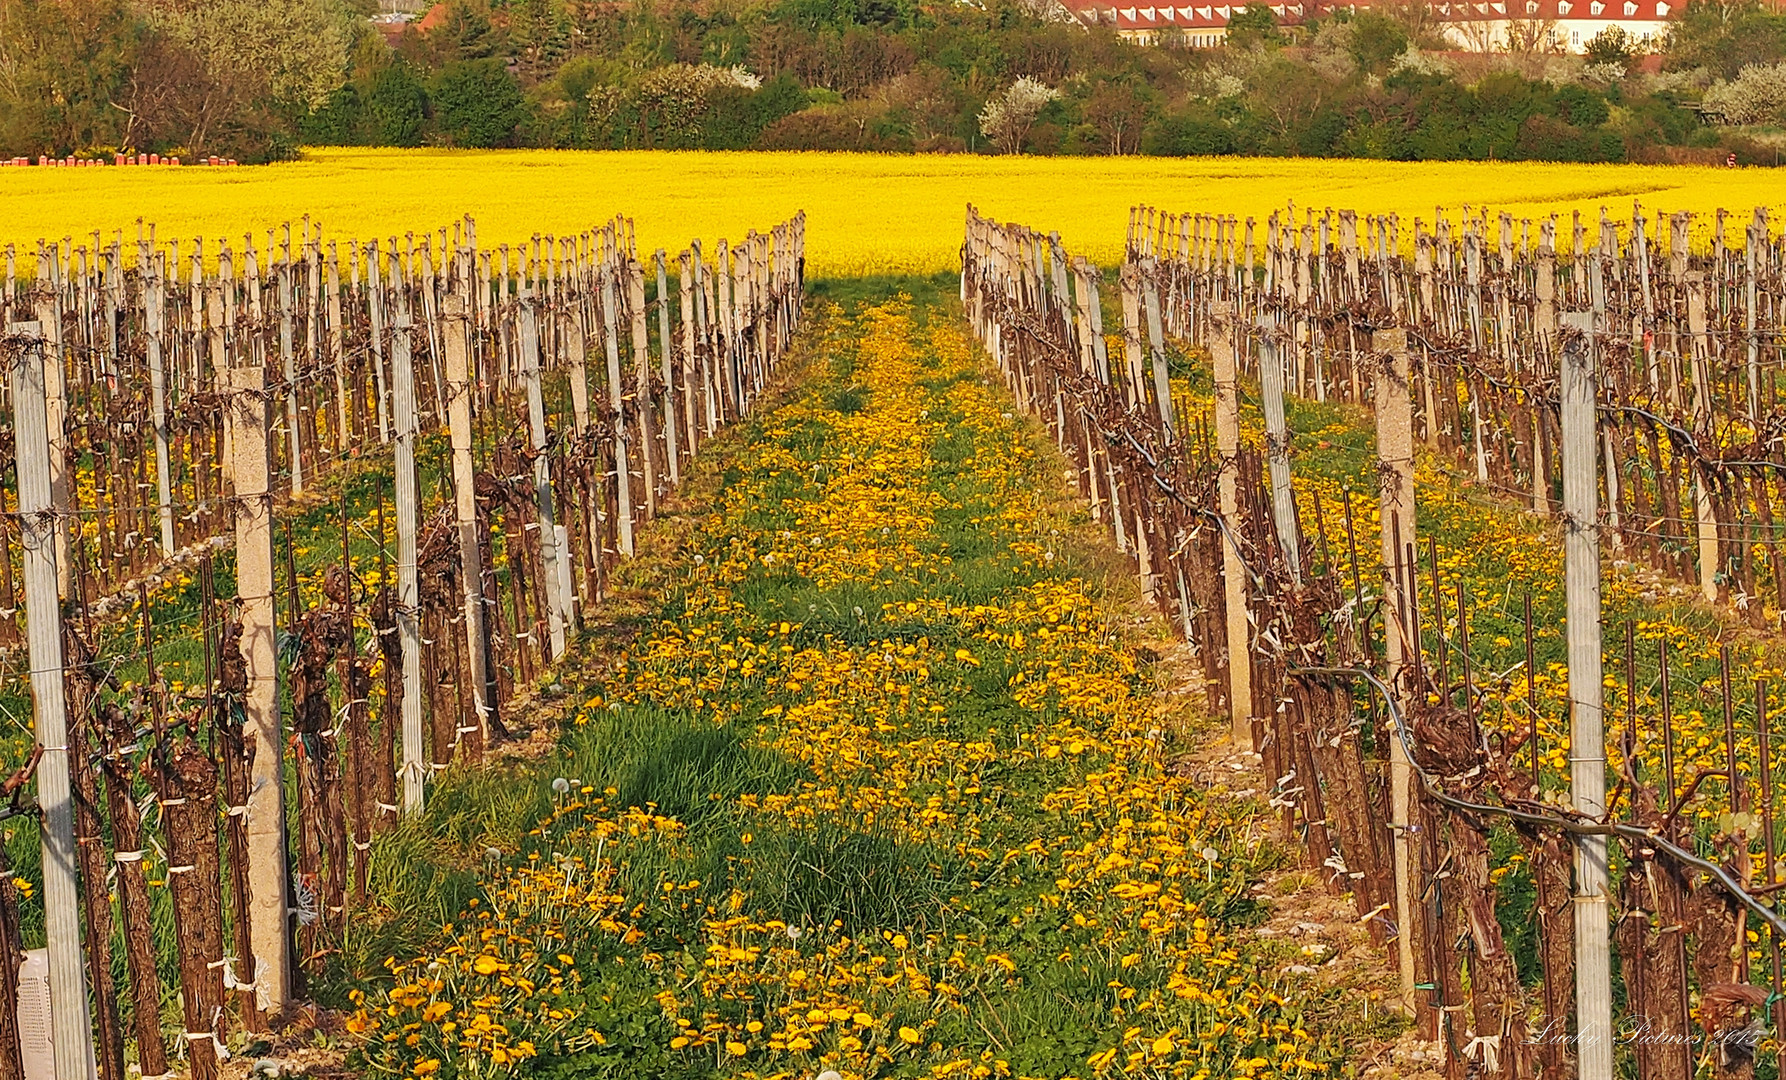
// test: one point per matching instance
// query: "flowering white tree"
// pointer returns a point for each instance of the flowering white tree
(1757, 94)
(1007, 118)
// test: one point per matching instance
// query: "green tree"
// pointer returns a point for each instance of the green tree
(466, 33)
(1377, 41)
(1254, 26)
(539, 32)
(339, 121)
(1724, 36)
(396, 107)
(478, 103)
(1117, 111)
(62, 65)
(277, 52)
(1613, 45)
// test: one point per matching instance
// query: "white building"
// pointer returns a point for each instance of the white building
(1568, 24)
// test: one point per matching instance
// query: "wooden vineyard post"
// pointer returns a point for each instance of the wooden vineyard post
(70, 1019)
(1227, 442)
(409, 633)
(465, 512)
(96, 901)
(186, 783)
(12, 957)
(133, 898)
(1395, 455)
(155, 312)
(269, 922)
(1587, 736)
(542, 470)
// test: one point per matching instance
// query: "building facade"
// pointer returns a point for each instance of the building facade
(1564, 25)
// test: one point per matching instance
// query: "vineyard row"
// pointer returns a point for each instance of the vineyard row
(1634, 393)
(534, 405)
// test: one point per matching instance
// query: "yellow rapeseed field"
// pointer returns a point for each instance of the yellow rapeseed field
(868, 213)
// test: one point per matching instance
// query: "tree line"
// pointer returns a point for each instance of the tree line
(255, 79)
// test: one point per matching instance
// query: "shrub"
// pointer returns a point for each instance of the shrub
(1187, 134)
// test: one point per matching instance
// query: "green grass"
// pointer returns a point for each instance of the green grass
(711, 763)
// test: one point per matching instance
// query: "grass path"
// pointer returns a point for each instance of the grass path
(883, 785)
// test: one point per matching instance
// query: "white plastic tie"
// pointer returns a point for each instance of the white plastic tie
(1490, 1051)
(127, 856)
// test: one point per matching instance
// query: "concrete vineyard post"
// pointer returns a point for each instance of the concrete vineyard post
(71, 1021)
(1757, 236)
(155, 318)
(685, 284)
(313, 315)
(49, 320)
(704, 333)
(336, 360)
(409, 632)
(1131, 335)
(725, 333)
(665, 359)
(1395, 456)
(376, 320)
(289, 369)
(623, 483)
(1234, 569)
(635, 278)
(270, 919)
(1277, 447)
(465, 512)
(578, 347)
(1156, 344)
(1587, 772)
(1698, 349)
(542, 470)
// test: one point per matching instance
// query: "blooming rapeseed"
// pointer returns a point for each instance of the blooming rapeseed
(867, 213)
